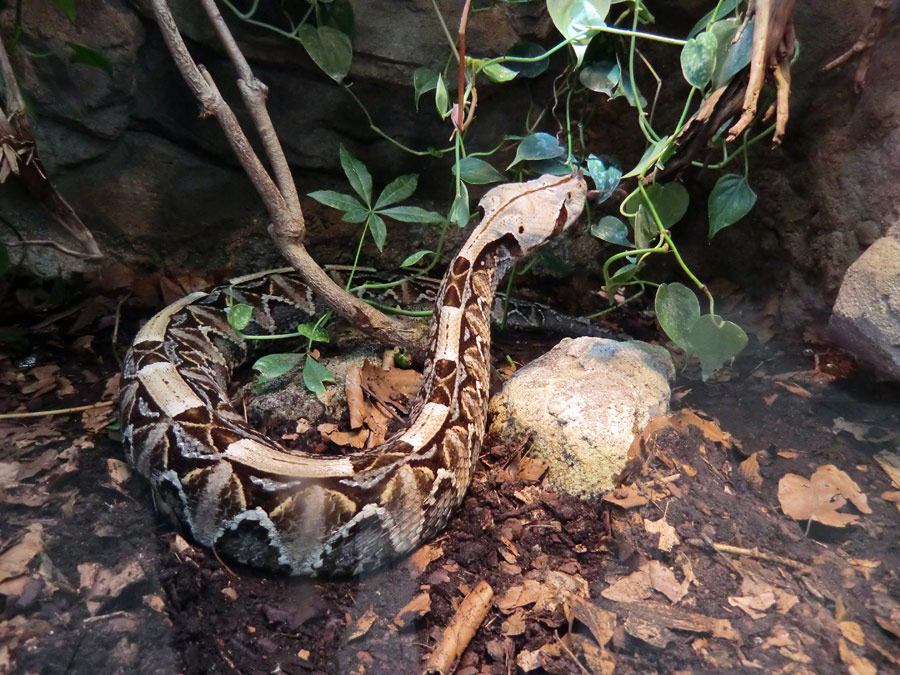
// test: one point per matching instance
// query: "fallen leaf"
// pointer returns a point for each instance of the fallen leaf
(668, 537)
(820, 497)
(856, 665)
(890, 462)
(356, 402)
(418, 606)
(531, 469)
(795, 389)
(599, 621)
(853, 632)
(663, 579)
(625, 497)
(423, 557)
(363, 624)
(754, 605)
(94, 420)
(532, 660)
(750, 470)
(15, 561)
(514, 624)
(632, 588)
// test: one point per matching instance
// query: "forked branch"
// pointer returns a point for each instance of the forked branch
(280, 197)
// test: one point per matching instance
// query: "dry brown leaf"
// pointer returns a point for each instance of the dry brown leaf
(856, 665)
(521, 595)
(668, 537)
(625, 497)
(532, 660)
(355, 399)
(514, 624)
(101, 584)
(750, 470)
(820, 497)
(598, 660)
(853, 632)
(787, 454)
(15, 560)
(559, 587)
(632, 588)
(893, 496)
(890, 462)
(663, 579)
(599, 621)
(795, 389)
(352, 439)
(418, 562)
(44, 380)
(418, 606)
(754, 605)
(531, 469)
(94, 420)
(363, 624)
(119, 472)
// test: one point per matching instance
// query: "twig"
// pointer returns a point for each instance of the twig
(115, 333)
(760, 555)
(461, 630)
(53, 244)
(58, 411)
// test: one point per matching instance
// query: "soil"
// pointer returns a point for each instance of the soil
(93, 580)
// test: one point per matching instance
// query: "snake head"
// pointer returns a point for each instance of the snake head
(525, 215)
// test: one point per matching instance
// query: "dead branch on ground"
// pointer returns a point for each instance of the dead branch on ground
(280, 197)
(868, 38)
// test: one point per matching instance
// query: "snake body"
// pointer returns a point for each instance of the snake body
(256, 502)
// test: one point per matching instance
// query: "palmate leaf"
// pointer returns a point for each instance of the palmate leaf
(397, 190)
(358, 175)
(338, 200)
(413, 214)
(378, 228)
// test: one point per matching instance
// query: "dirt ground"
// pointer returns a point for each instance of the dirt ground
(693, 566)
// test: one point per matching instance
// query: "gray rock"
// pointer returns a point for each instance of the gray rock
(866, 316)
(583, 403)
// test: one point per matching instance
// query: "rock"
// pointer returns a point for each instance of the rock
(583, 402)
(866, 316)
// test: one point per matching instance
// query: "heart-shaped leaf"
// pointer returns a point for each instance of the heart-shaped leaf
(271, 366)
(612, 230)
(670, 200)
(424, 80)
(572, 17)
(730, 200)
(537, 146)
(677, 310)
(329, 48)
(315, 375)
(478, 172)
(314, 331)
(527, 69)
(715, 341)
(650, 157)
(459, 210)
(239, 316)
(698, 59)
(606, 177)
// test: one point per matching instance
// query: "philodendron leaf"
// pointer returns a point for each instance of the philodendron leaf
(397, 190)
(606, 177)
(271, 366)
(478, 172)
(424, 80)
(650, 157)
(358, 175)
(499, 73)
(698, 59)
(89, 57)
(612, 230)
(459, 210)
(442, 98)
(715, 341)
(313, 330)
(329, 48)
(730, 200)
(239, 316)
(315, 375)
(677, 310)
(538, 146)
(670, 200)
(573, 17)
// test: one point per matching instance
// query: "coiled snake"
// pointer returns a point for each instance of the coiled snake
(251, 499)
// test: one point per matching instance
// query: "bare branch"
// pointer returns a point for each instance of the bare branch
(53, 244)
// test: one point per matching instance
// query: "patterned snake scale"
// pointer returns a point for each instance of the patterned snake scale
(261, 504)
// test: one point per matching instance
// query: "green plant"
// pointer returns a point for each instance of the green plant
(600, 38)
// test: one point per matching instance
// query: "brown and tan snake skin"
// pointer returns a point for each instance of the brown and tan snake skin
(256, 502)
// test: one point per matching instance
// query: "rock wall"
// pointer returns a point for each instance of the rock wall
(159, 187)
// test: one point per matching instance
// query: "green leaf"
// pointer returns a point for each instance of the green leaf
(612, 230)
(645, 228)
(442, 98)
(424, 80)
(271, 366)
(537, 146)
(356, 215)
(600, 70)
(315, 375)
(239, 316)
(606, 177)
(413, 214)
(669, 199)
(337, 14)
(378, 228)
(723, 9)
(571, 17)
(397, 190)
(529, 50)
(554, 167)
(499, 73)
(329, 48)
(337, 200)
(730, 200)
(66, 8)
(459, 210)
(698, 59)
(724, 32)
(715, 341)
(622, 275)
(478, 172)
(313, 330)
(414, 258)
(677, 310)
(89, 57)
(651, 155)
(358, 175)
(736, 58)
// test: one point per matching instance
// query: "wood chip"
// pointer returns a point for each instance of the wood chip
(461, 630)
